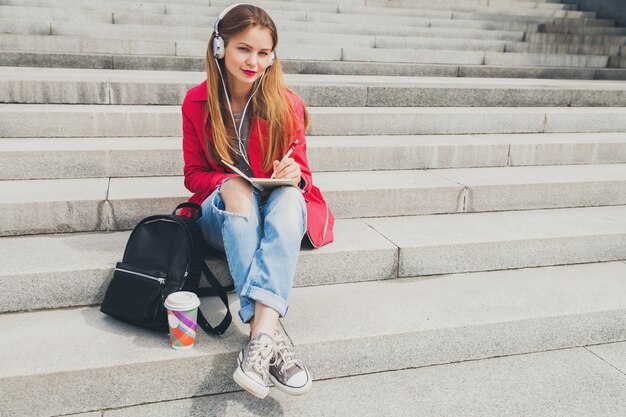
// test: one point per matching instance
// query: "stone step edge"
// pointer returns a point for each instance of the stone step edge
(381, 255)
(413, 348)
(332, 396)
(93, 86)
(174, 63)
(413, 12)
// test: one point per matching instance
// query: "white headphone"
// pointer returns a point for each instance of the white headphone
(218, 41)
(218, 53)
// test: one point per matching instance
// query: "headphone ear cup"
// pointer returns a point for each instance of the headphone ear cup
(272, 56)
(218, 47)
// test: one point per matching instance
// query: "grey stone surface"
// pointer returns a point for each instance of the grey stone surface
(569, 148)
(566, 37)
(67, 92)
(144, 7)
(41, 43)
(79, 86)
(439, 43)
(387, 193)
(614, 354)
(562, 308)
(68, 376)
(376, 68)
(75, 269)
(88, 121)
(52, 206)
(562, 48)
(610, 119)
(491, 24)
(443, 96)
(419, 322)
(57, 14)
(121, 121)
(37, 158)
(517, 188)
(562, 382)
(11, 25)
(415, 56)
(526, 72)
(588, 98)
(46, 60)
(501, 240)
(354, 153)
(610, 74)
(70, 269)
(545, 60)
(432, 120)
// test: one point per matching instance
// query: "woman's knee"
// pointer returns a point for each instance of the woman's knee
(288, 207)
(236, 194)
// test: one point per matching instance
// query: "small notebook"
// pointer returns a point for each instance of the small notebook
(261, 184)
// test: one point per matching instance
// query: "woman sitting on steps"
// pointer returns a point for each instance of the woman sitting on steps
(245, 115)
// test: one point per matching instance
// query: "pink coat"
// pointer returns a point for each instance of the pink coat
(202, 176)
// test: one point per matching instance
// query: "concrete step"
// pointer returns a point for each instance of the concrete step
(446, 11)
(545, 60)
(147, 31)
(562, 48)
(504, 240)
(483, 387)
(582, 30)
(121, 87)
(421, 8)
(427, 322)
(58, 120)
(75, 269)
(50, 158)
(172, 63)
(498, 3)
(574, 38)
(103, 204)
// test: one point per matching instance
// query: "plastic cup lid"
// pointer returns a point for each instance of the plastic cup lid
(182, 300)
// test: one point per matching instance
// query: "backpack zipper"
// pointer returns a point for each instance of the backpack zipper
(161, 280)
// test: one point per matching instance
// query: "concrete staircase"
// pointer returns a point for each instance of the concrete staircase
(475, 163)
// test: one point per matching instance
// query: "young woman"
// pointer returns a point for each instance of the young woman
(245, 115)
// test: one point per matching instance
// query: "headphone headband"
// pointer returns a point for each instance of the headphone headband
(222, 14)
(218, 47)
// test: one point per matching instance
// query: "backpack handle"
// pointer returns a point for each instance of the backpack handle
(216, 290)
(193, 206)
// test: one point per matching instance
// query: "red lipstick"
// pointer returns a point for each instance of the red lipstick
(249, 73)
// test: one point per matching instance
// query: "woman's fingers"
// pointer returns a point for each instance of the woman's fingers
(288, 168)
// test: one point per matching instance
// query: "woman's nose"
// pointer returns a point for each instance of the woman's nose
(252, 59)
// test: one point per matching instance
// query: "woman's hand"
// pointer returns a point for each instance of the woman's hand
(289, 169)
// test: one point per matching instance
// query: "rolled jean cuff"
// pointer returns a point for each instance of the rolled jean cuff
(246, 313)
(269, 299)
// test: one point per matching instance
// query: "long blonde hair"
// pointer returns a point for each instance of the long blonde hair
(271, 102)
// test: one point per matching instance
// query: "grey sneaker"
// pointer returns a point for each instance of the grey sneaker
(287, 372)
(252, 373)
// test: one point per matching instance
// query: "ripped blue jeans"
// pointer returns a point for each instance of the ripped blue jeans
(261, 248)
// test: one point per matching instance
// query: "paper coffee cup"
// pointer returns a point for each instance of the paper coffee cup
(182, 314)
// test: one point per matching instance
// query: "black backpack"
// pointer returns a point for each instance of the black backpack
(164, 254)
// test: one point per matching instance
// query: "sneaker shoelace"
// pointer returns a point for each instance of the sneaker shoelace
(284, 355)
(259, 356)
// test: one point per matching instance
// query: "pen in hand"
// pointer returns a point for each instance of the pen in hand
(287, 155)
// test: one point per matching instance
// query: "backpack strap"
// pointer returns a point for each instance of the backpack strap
(216, 289)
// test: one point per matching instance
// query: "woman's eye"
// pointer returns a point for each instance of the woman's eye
(241, 48)
(263, 53)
